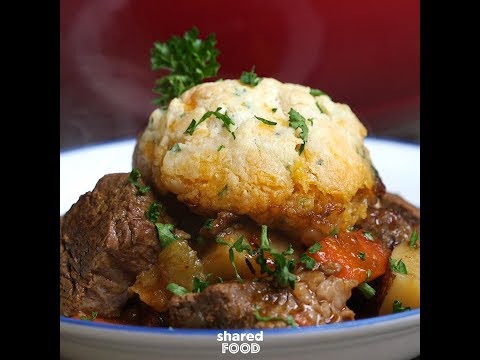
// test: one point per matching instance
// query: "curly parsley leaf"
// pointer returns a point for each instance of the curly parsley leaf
(289, 251)
(153, 211)
(133, 179)
(250, 78)
(239, 246)
(297, 121)
(397, 307)
(413, 239)
(177, 289)
(190, 60)
(165, 234)
(308, 261)
(227, 121)
(283, 275)
(198, 285)
(89, 318)
(398, 266)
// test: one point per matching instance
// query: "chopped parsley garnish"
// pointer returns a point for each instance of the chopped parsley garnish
(198, 285)
(314, 248)
(298, 121)
(334, 232)
(220, 280)
(316, 92)
(289, 251)
(249, 77)
(165, 234)
(175, 148)
(282, 274)
(398, 267)
(289, 320)
(308, 261)
(227, 121)
(133, 179)
(220, 147)
(274, 110)
(208, 223)
(369, 274)
(177, 289)
(223, 192)
(366, 290)
(89, 318)
(153, 211)
(368, 235)
(190, 60)
(397, 307)
(239, 246)
(265, 121)
(413, 239)
(361, 255)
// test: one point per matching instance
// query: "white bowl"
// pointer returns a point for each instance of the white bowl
(395, 336)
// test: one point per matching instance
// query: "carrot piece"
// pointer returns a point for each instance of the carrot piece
(361, 256)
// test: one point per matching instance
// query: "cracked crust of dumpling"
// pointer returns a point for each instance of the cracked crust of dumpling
(260, 172)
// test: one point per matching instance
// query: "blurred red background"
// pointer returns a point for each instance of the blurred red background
(363, 53)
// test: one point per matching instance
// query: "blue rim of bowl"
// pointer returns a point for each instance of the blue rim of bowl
(180, 331)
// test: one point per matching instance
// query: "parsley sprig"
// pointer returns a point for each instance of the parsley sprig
(298, 121)
(238, 246)
(413, 239)
(308, 260)
(398, 266)
(250, 78)
(283, 275)
(397, 307)
(190, 60)
(177, 289)
(227, 121)
(133, 179)
(165, 234)
(198, 286)
(89, 318)
(153, 211)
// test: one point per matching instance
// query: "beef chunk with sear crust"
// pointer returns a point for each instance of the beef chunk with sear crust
(316, 299)
(105, 242)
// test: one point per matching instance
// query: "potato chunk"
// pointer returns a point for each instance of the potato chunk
(404, 287)
(177, 263)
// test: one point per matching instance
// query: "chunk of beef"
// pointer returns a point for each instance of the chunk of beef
(392, 220)
(316, 300)
(105, 242)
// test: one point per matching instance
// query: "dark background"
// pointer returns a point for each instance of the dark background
(365, 54)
